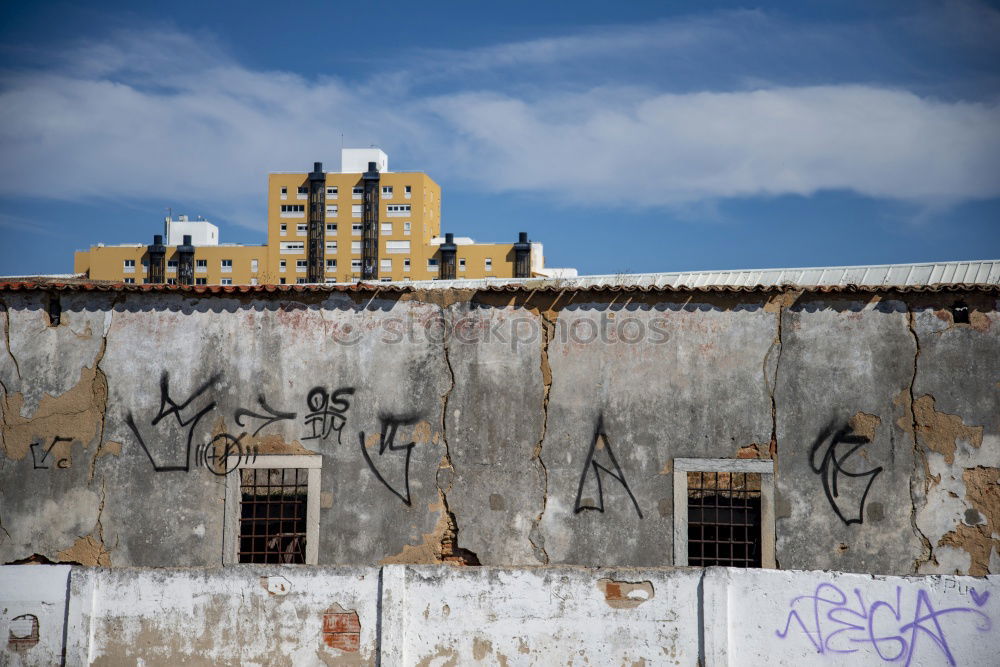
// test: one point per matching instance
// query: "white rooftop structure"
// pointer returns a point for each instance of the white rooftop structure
(355, 160)
(202, 232)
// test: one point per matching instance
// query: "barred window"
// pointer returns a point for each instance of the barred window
(272, 509)
(724, 512)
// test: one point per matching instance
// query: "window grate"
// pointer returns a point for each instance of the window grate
(273, 515)
(724, 519)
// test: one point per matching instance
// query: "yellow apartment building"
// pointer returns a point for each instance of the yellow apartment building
(363, 222)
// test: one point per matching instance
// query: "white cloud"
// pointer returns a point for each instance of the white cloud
(164, 116)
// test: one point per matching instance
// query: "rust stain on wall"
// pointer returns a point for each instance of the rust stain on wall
(625, 594)
(87, 551)
(76, 414)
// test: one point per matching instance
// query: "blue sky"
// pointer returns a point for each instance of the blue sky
(642, 136)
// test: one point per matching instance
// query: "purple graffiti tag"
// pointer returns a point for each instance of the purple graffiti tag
(836, 623)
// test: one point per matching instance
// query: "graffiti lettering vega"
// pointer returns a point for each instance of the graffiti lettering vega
(838, 624)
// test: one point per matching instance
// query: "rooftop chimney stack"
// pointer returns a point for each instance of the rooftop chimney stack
(522, 256)
(157, 253)
(185, 262)
(449, 251)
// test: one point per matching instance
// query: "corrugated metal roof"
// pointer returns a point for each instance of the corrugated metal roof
(983, 275)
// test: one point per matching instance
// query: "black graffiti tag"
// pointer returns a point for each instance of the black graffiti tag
(387, 443)
(168, 407)
(328, 413)
(269, 418)
(829, 465)
(600, 449)
(37, 462)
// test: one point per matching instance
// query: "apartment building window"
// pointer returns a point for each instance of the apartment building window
(303, 192)
(201, 281)
(387, 192)
(406, 264)
(130, 281)
(408, 192)
(227, 281)
(331, 192)
(356, 247)
(292, 247)
(284, 192)
(432, 264)
(272, 510)
(330, 281)
(331, 209)
(397, 210)
(293, 210)
(171, 281)
(301, 265)
(461, 264)
(331, 229)
(300, 281)
(253, 266)
(331, 265)
(357, 193)
(385, 265)
(171, 265)
(387, 228)
(284, 229)
(201, 265)
(355, 265)
(356, 230)
(397, 247)
(227, 266)
(386, 279)
(724, 512)
(281, 265)
(253, 281)
(406, 228)
(300, 230)
(356, 210)
(129, 266)
(331, 246)
(489, 263)
(281, 281)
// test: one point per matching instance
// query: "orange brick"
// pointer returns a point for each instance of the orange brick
(345, 641)
(344, 622)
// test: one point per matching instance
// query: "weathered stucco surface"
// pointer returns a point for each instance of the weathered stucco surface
(502, 428)
(441, 615)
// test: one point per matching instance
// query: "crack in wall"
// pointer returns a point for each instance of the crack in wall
(445, 398)
(534, 535)
(772, 384)
(6, 333)
(100, 385)
(919, 459)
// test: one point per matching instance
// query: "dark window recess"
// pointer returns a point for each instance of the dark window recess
(724, 519)
(960, 312)
(55, 310)
(273, 515)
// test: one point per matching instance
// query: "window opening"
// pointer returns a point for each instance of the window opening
(724, 513)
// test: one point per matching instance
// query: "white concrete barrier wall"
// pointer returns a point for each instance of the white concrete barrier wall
(443, 615)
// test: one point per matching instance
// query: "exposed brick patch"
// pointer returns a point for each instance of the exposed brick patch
(342, 630)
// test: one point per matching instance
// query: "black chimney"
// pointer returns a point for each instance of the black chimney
(448, 253)
(157, 253)
(522, 256)
(315, 248)
(185, 262)
(369, 223)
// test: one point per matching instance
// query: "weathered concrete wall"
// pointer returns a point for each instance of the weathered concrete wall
(442, 615)
(506, 428)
